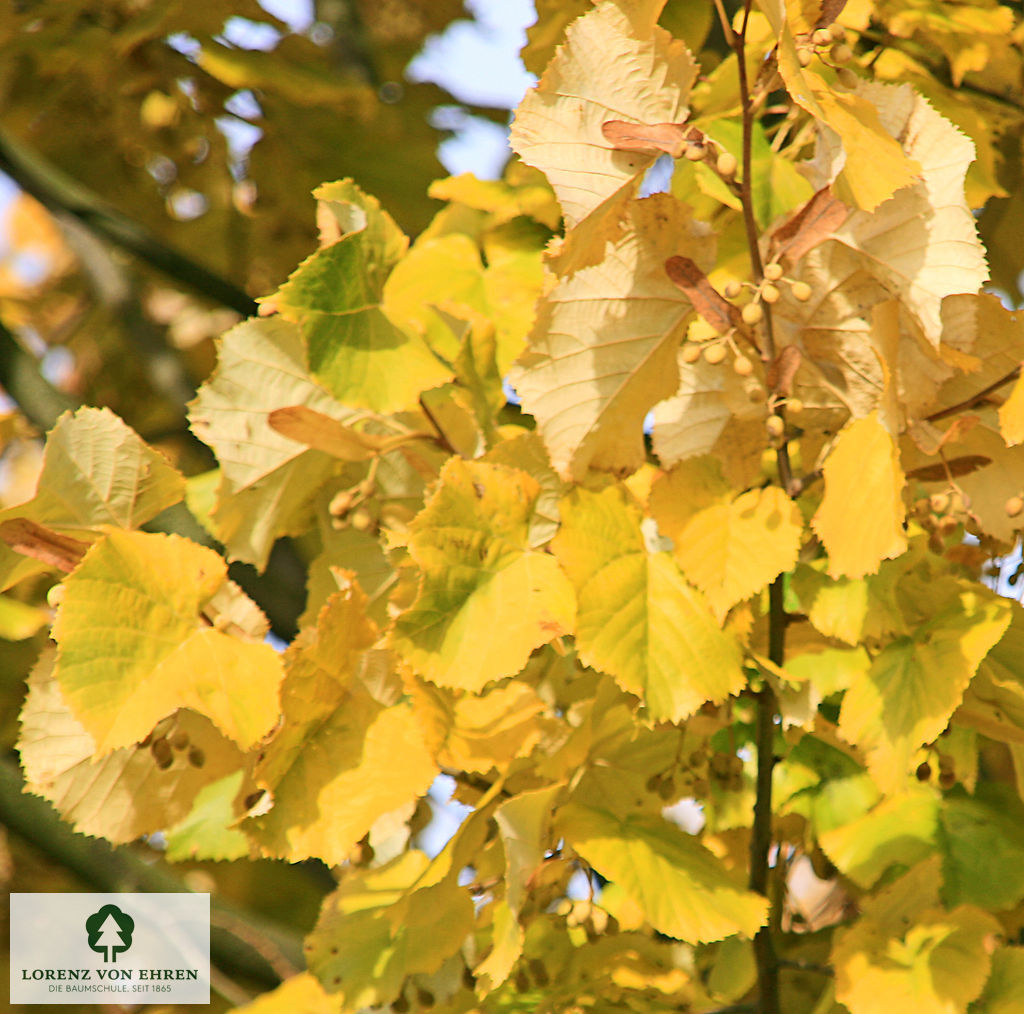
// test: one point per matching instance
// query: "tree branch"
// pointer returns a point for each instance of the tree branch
(60, 193)
(244, 944)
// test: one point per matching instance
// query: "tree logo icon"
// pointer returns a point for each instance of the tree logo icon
(110, 931)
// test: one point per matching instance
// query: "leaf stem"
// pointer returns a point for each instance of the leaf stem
(750, 225)
(974, 398)
(767, 706)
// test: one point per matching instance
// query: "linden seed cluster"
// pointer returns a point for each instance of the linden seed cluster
(828, 45)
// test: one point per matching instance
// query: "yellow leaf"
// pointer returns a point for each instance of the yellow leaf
(860, 520)
(332, 768)
(96, 471)
(474, 733)
(906, 952)
(711, 413)
(472, 543)
(682, 889)
(874, 166)
(729, 548)
(603, 349)
(337, 297)
(132, 791)
(916, 683)
(266, 479)
(923, 245)
(300, 994)
(592, 79)
(133, 645)
(902, 829)
(364, 951)
(639, 620)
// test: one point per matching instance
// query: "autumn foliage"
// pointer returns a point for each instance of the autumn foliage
(701, 623)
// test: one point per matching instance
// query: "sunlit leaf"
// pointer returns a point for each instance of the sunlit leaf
(860, 520)
(906, 950)
(96, 471)
(729, 548)
(683, 890)
(902, 829)
(603, 349)
(131, 791)
(916, 682)
(874, 166)
(267, 481)
(592, 80)
(639, 620)
(134, 644)
(336, 297)
(331, 768)
(479, 574)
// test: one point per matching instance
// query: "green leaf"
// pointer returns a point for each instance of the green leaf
(471, 542)
(1004, 991)
(902, 829)
(139, 636)
(638, 619)
(983, 843)
(96, 471)
(331, 769)
(207, 831)
(916, 683)
(682, 889)
(363, 356)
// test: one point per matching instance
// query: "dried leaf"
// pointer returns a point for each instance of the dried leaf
(42, 543)
(669, 138)
(707, 301)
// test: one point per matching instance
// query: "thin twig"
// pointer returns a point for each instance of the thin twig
(730, 35)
